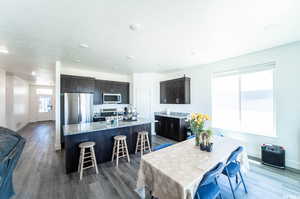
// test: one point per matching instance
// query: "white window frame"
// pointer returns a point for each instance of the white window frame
(244, 70)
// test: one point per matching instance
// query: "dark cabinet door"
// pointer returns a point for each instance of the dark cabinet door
(161, 126)
(176, 91)
(175, 129)
(75, 84)
(180, 92)
(69, 84)
(103, 86)
(125, 92)
(85, 85)
(158, 125)
(98, 93)
(163, 93)
(171, 91)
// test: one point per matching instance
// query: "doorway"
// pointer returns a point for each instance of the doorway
(42, 103)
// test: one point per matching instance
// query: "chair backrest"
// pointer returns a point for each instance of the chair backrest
(211, 175)
(233, 156)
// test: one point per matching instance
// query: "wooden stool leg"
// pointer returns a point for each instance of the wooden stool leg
(142, 145)
(94, 159)
(113, 153)
(81, 165)
(137, 143)
(123, 149)
(127, 151)
(148, 142)
(118, 148)
(80, 160)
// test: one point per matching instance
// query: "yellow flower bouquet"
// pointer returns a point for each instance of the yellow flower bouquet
(197, 122)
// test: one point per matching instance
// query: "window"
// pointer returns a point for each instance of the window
(242, 100)
(44, 104)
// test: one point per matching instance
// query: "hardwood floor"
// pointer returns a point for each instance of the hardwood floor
(40, 174)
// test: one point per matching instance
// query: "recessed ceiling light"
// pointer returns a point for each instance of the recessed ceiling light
(129, 57)
(33, 73)
(3, 50)
(193, 52)
(134, 27)
(83, 45)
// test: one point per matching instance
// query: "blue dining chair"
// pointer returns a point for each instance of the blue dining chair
(158, 147)
(233, 169)
(208, 187)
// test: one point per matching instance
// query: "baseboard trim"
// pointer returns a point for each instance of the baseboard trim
(287, 168)
(21, 128)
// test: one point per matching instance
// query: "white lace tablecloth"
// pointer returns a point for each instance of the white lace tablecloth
(176, 171)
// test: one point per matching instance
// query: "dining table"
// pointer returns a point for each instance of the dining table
(175, 172)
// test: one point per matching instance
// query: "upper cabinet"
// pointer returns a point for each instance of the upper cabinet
(103, 86)
(76, 84)
(175, 91)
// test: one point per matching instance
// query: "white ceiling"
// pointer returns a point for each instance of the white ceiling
(171, 34)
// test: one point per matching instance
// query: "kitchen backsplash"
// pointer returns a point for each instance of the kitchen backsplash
(120, 107)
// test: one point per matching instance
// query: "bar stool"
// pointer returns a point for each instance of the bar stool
(120, 149)
(142, 143)
(87, 156)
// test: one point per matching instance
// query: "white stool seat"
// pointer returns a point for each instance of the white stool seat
(120, 137)
(87, 144)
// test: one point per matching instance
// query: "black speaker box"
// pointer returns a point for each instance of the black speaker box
(273, 155)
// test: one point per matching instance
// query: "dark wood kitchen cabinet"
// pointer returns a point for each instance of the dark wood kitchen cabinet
(175, 91)
(103, 86)
(76, 84)
(172, 128)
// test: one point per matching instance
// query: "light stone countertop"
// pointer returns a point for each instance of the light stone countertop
(74, 129)
(177, 115)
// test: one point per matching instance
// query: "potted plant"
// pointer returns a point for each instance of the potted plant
(197, 122)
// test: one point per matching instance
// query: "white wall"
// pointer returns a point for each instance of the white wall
(17, 102)
(2, 97)
(57, 105)
(145, 95)
(287, 93)
(34, 115)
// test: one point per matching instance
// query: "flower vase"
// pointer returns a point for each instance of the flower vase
(197, 138)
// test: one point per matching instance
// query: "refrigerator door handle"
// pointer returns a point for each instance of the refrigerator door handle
(79, 108)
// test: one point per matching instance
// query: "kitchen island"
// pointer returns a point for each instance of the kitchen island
(103, 135)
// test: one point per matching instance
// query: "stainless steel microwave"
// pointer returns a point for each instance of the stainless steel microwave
(112, 98)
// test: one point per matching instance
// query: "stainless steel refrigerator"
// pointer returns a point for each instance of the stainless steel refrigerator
(78, 108)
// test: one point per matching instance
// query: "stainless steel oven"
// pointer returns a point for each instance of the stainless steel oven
(112, 98)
